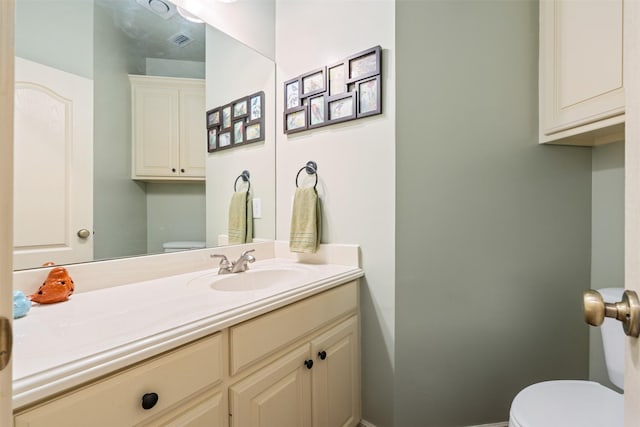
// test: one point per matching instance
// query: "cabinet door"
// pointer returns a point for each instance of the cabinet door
(206, 410)
(336, 376)
(156, 131)
(193, 141)
(581, 58)
(275, 396)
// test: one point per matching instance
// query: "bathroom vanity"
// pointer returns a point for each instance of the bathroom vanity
(276, 345)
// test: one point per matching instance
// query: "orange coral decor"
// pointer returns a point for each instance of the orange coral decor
(57, 287)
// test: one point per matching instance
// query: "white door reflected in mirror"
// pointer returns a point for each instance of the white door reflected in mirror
(53, 166)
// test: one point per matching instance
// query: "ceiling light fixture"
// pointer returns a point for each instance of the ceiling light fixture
(163, 9)
(159, 7)
(189, 16)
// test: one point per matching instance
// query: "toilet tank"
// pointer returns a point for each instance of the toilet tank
(613, 339)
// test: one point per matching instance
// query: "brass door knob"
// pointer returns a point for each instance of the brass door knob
(627, 311)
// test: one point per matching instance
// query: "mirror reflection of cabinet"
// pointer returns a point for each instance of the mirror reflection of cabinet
(168, 128)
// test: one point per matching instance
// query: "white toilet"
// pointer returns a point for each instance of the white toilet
(578, 403)
(182, 245)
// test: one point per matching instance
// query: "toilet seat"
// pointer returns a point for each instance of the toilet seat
(567, 404)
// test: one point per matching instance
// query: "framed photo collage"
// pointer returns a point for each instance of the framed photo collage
(237, 123)
(346, 90)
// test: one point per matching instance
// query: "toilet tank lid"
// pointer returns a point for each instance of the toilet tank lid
(184, 244)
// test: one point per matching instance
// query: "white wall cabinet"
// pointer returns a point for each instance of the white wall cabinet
(295, 366)
(168, 128)
(581, 72)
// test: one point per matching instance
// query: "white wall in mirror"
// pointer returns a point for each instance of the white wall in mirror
(250, 21)
(253, 74)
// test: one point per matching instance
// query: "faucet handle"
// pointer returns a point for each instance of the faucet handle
(224, 261)
(245, 253)
(246, 256)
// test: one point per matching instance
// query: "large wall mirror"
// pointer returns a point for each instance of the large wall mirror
(91, 47)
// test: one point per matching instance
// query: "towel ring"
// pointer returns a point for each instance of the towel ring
(311, 168)
(245, 175)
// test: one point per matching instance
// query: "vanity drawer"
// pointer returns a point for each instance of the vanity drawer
(117, 400)
(256, 338)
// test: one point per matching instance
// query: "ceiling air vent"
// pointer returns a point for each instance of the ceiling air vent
(180, 39)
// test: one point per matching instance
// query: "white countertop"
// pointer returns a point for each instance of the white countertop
(61, 345)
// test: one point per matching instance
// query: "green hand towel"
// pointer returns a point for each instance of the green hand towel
(306, 221)
(240, 218)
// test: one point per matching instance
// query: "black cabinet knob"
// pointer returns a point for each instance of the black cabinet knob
(308, 363)
(182, 170)
(173, 169)
(322, 355)
(149, 400)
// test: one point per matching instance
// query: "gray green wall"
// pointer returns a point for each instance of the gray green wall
(493, 231)
(119, 203)
(56, 33)
(607, 238)
(175, 212)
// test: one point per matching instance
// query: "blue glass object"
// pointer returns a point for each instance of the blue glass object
(21, 304)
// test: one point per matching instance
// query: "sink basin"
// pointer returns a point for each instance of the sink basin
(252, 280)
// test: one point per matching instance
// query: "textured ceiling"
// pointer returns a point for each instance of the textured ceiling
(150, 34)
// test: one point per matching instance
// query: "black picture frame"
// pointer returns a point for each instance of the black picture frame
(295, 120)
(341, 108)
(256, 107)
(213, 117)
(313, 82)
(238, 132)
(364, 64)
(317, 111)
(250, 130)
(292, 98)
(240, 108)
(225, 139)
(225, 117)
(212, 139)
(369, 97)
(336, 84)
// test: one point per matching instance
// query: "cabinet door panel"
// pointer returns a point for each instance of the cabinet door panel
(336, 378)
(193, 140)
(275, 396)
(155, 113)
(581, 59)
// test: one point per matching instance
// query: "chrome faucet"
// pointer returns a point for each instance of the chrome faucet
(242, 264)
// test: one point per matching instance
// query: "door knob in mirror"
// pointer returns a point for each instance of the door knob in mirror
(627, 311)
